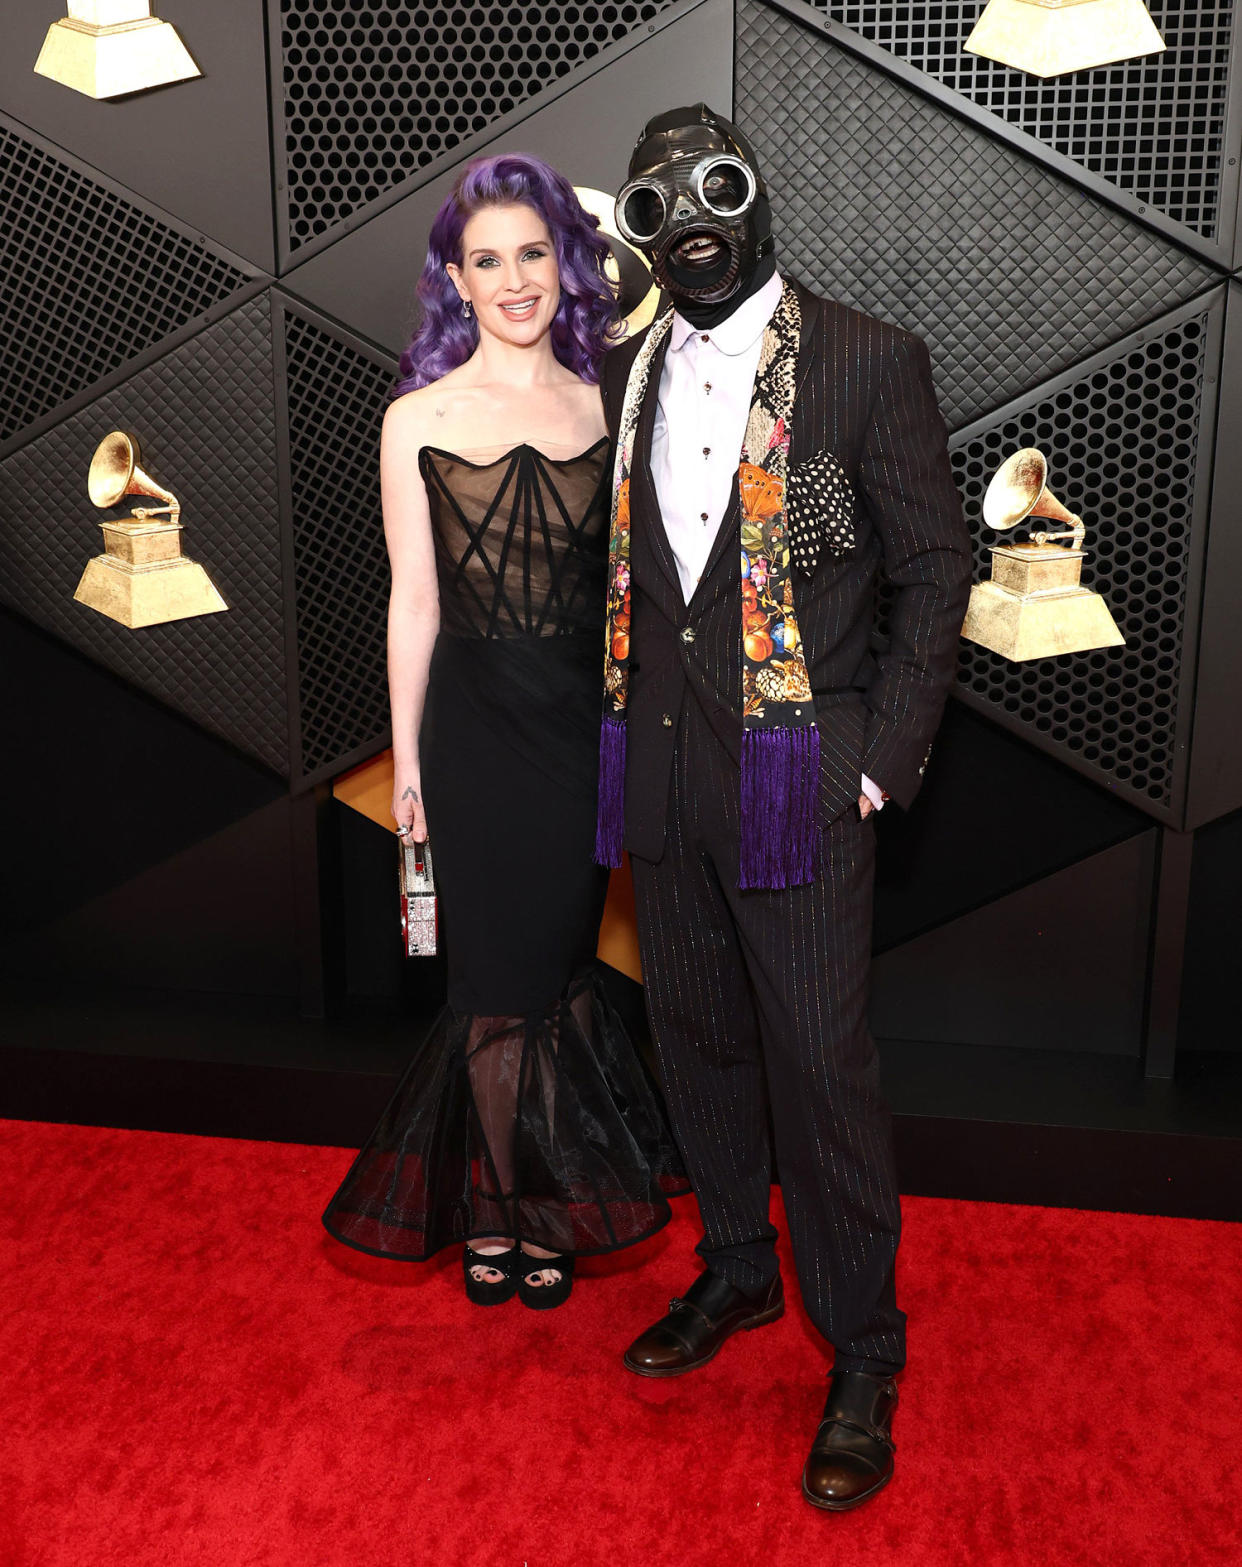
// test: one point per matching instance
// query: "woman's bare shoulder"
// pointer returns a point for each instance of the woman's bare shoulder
(450, 394)
(408, 417)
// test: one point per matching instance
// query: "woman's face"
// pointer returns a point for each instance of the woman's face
(508, 273)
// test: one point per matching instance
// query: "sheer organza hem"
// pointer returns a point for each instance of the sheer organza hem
(425, 1256)
(545, 1127)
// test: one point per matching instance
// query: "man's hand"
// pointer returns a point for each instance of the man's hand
(871, 798)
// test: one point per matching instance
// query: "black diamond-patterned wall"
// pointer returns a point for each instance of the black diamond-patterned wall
(373, 94)
(88, 281)
(336, 406)
(203, 415)
(887, 202)
(1154, 126)
(1123, 446)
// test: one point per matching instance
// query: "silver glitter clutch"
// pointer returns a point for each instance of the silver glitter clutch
(419, 922)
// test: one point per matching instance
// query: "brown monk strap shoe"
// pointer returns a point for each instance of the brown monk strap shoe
(697, 1325)
(852, 1455)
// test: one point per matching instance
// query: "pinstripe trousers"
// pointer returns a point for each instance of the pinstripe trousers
(758, 1000)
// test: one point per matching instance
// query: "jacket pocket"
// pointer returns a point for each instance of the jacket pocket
(841, 718)
(819, 503)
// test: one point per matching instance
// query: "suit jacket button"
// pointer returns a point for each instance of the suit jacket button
(667, 721)
(687, 635)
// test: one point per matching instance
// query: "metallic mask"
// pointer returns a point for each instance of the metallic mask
(696, 203)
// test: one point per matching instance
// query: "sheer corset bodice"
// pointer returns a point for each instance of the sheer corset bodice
(521, 541)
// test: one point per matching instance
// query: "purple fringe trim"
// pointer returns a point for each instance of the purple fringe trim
(780, 817)
(610, 810)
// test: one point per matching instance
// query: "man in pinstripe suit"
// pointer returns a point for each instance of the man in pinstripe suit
(757, 997)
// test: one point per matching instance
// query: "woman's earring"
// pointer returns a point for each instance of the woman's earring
(467, 309)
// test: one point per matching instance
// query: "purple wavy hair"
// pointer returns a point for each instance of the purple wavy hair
(584, 319)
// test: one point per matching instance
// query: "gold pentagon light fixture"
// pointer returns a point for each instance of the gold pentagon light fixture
(1053, 37)
(106, 48)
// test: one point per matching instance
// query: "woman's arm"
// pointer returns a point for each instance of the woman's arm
(413, 604)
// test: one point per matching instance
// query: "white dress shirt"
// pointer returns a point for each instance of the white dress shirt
(705, 392)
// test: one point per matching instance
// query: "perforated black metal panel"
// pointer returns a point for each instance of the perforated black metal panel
(336, 406)
(204, 416)
(88, 281)
(373, 94)
(1154, 126)
(887, 202)
(1123, 445)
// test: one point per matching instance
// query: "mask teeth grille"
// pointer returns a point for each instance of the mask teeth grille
(709, 293)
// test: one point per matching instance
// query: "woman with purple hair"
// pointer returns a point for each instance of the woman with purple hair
(527, 1126)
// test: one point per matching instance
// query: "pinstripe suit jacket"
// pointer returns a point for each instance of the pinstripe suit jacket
(865, 394)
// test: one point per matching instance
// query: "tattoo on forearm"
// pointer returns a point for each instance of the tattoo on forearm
(411, 794)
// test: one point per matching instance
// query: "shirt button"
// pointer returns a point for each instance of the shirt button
(703, 516)
(667, 721)
(707, 386)
(687, 635)
(704, 336)
(707, 451)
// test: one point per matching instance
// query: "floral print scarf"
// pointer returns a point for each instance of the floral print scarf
(780, 743)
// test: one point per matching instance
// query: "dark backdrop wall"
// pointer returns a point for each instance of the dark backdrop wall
(226, 266)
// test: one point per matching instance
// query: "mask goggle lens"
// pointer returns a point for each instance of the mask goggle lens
(723, 185)
(641, 210)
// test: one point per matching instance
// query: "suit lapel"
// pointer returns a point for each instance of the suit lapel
(810, 306)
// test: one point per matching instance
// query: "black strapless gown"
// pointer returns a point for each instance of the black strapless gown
(526, 1112)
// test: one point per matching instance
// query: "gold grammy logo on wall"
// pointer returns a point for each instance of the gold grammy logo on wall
(1055, 37)
(106, 48)
(1035, 606)
(626, 269)
(142, 578)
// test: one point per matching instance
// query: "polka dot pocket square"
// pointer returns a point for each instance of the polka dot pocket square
(820, 510)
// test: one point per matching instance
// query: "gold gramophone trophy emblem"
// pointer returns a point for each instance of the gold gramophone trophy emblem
(1054, 37)
(142, 578)
(108, 48)
(626, 269)
(1035, 606)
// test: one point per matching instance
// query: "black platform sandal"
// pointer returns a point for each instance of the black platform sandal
(543, 1297)
(481, 1292)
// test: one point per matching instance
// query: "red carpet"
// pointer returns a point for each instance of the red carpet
(194, 1373)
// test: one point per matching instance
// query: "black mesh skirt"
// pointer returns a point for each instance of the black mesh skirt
(545, 1127)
